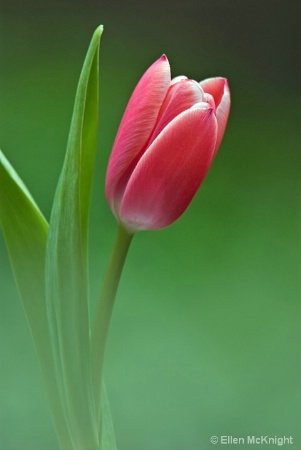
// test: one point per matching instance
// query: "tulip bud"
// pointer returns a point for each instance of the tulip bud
(166, 142)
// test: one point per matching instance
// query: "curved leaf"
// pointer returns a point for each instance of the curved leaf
(25, 231)
(66, 261)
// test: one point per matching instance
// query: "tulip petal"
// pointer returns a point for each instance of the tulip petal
(180, 96)
(171, 170)
(177, 79)
(219, 89)
(137, 124)
(215, 87)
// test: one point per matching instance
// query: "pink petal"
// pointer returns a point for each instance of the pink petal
(136, 126)
(219, 89)
(171, 170)
(180, 96)
(177, 79)
(215, 87)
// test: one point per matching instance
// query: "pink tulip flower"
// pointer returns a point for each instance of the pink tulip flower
(166, 142)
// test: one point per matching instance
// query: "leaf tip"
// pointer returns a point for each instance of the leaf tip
(98, 32)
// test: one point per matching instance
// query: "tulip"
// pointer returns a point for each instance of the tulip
(166, 142)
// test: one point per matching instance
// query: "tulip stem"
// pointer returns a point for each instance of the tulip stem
(104, 309)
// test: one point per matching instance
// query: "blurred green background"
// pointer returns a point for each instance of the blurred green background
(205, 338)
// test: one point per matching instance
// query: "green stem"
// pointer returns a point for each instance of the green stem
(104, 308)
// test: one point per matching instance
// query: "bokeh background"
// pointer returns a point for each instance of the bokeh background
(205, 338)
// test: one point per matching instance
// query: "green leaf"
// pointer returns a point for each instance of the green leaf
(59, 320)
(108, 441)
(25, 231)
(67, 265)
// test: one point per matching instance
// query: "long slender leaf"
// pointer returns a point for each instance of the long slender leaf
(25, 231)
(108, 441)
(62, 347)
(66, 261)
